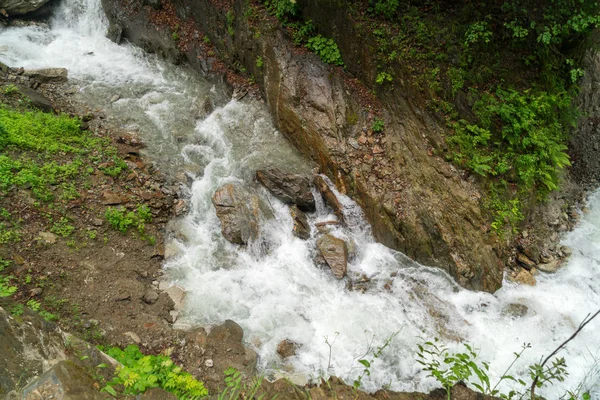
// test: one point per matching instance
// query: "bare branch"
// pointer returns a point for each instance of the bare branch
(585, 321)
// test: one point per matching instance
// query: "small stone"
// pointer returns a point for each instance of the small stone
(136, 339)
(114, 98)
(36, 292)
(524, 277)
(546, 257)
(352, 142)
(47, 237)
(177, 294)
(377, 149)
(525, 261)
(111, 198)
(550, 267)
(209, 363)
(174, 315)
(286, 348)
(566, 250)
(150, 297)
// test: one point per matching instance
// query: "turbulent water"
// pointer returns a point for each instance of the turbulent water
(274, 289)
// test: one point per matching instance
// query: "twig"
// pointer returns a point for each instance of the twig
(585, 321)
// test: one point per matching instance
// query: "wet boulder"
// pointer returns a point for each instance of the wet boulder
(301, 227)
(114, 33)
(335, 253)
(289, 188)
(329, 197)
(286, 348)
(20, 7)
(239, 212)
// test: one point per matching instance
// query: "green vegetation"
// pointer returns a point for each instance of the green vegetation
(175, 34)
(6, 288)
(383, 77)
(63, 227)
(11, 89)
(32, 143)
(230, 21)
(378, 125)
(259, 62)
(284, 10)
(122, 220)
(326, 49)
(140, 372)
(235, 389)
(451, 368)
(369, 356)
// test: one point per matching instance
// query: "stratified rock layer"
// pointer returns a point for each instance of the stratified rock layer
(415, 201)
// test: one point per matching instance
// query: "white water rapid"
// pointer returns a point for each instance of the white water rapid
(273, 289)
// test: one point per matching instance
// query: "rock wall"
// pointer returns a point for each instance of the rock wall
(415, 201)
(584, 146)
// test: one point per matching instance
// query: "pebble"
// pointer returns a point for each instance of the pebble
(133, 337)
(150, 297)
(209, 363)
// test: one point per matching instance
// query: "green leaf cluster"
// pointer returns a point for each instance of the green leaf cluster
(140, 372)
(326, 49)
(122, 220)
(6, 289)
(284, 10)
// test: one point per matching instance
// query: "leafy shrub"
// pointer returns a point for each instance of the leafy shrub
(326, 49)
(284, 10)
(451, 368)
(385, 8)
(519, 137)
(139, 373)
(302, 31)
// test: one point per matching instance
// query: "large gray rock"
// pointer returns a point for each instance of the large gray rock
(30, 347)
(45, 75)
(239, 212)
(38, 100)
(335, 253)
(64, 381)
(289, 188)
(20, 7)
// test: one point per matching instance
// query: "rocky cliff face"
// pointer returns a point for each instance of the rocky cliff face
(416, 202)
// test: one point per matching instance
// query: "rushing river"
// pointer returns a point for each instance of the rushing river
(274, 289)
